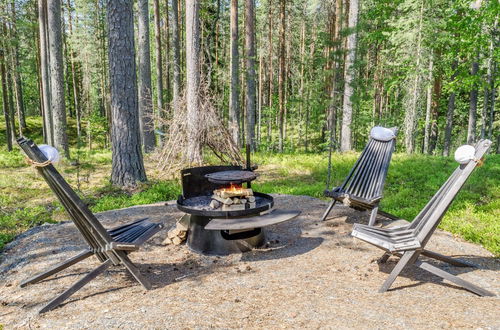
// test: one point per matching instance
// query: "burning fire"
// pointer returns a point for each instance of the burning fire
(236, 189)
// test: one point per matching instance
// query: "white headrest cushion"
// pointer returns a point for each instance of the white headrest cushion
(465, 153)
(50, 152)
(382, 134)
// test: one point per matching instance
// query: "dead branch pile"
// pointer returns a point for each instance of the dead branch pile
(212, 134)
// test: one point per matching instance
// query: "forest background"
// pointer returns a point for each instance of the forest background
(289, 79)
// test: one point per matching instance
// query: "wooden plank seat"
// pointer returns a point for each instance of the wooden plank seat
(111, 247)
(408, 242)
(363, 186)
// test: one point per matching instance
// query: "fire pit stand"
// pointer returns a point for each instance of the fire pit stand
(225, 231)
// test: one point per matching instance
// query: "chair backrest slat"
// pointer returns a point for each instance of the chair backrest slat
(367, 178)
(441, 201)
(368, 181)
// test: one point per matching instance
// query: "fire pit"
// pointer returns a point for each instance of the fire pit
(225, 216)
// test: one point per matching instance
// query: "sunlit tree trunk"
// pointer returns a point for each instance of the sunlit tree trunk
(159, 57)
(144, 58)
(471, 127)
(282, 73)
(234, 109)
(44, 70)
(176, 52)
(57, 99)
(5, 102)
(193, 80)
(346, 139)
(250, 74)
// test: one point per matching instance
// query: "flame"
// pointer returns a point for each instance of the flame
(234, 188)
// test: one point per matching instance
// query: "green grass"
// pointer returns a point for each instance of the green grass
(26, 201)
(411, 182)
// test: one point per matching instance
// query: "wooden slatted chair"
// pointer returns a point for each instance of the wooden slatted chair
(363, 186)
(408, 242)
(111, 247)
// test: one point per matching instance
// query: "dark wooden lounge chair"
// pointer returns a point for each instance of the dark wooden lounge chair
(111, 247)
(363, 186)
(408, 242)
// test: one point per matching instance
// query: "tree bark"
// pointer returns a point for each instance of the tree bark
(449, 125)
(57, 76)
(75, 83)
(176, 51)
(193, 80)
(145, 99)
(127, 161)
(281, 76)
(449, 115)
(159, 58)
(411, 113)
(44, 69)
(428, 107)
(5, 102)
(250, 66)
(234, 109)
(471, 127)
(346, 139)
(18, 88)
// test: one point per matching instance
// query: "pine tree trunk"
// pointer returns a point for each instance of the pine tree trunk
(471, 128)
(270, 69)
(281, 76)
(435, 113)
(250, 74)
(75, 83)
(449, 125)
(176, 51)
(18, 88)
(159, 58)
(234, 109)
(346, 140)
(144, 70)
(44, 69)
(193, 80)
(301, 86)
(411, 113)
(427, 125)
(5, 102)
(167, 57)
(127, 161)
(449, 115)
(57, 76)
(260, 99)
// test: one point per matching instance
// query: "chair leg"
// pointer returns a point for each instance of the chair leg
(373, 216)
(77, 286)
(57, 268)
(405, 259)
(388, 215)
(452, 278)
(133, 270)
(328, 209)
(451, 261)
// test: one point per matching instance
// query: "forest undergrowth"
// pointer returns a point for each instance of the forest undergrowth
(26, 201)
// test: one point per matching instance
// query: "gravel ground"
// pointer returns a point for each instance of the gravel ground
(310, 275)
